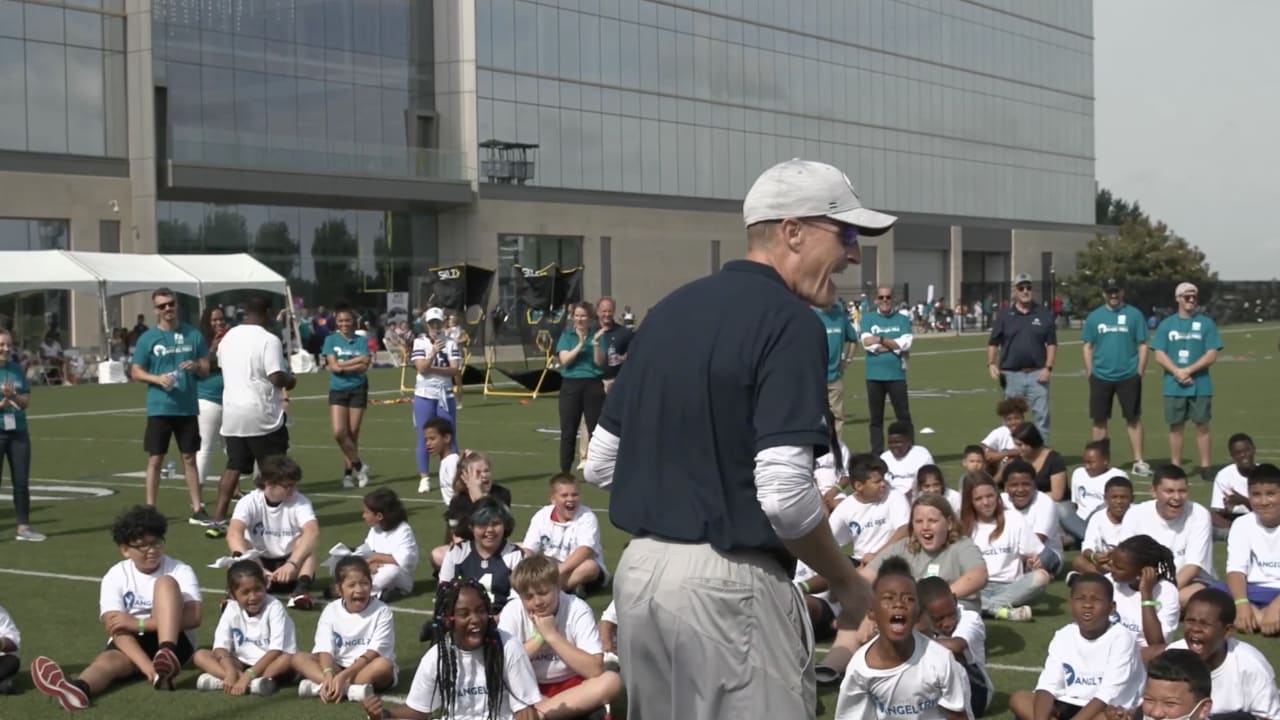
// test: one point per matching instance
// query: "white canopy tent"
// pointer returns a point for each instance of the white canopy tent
(30, 270)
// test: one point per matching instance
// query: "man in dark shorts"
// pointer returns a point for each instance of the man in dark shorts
(1115, 358)
(168, 358)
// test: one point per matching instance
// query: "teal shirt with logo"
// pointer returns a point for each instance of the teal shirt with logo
(12, 372)
(1115, 336)
(1186, 340)
(885, 366)
(840, 330)
(584, 365)
(344, 349)
(160, 352)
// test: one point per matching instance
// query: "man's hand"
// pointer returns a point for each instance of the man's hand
(1043, 377)
(994, 372)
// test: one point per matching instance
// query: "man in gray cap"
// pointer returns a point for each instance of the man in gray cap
(1185, 345)
(709, 455)
(1026, 341)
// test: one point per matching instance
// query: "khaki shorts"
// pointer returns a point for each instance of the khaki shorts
(1198, 409)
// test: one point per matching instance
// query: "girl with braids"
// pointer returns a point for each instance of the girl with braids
(1143, 571)
(473, 671)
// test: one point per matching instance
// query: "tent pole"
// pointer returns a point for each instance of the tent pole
(106, 321)
(293, 322)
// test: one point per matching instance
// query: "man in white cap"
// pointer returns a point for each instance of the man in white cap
(716, 533)
(1185, 345)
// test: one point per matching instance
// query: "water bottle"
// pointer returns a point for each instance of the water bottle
(177, 380)
(169, 469)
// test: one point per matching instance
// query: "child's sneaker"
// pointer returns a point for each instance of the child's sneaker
(207, 681)
(1141, 469)
(1022, 613)
(200, 518)
(50, 680)
(6, 686)
(357, 693)
(424, 485)
(262, 686)
(301, 601)
(348, 482)
(167, 669)
(216, 529)
(308, 689)
(362, 476)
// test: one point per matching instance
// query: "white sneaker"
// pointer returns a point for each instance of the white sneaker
(424, 485)
(357, 693)
(262, 686)
(347, 482)
(308, 689)
(208, 682)
(29, 535)
(362, 476)
(1141, 469)
(1022, 613)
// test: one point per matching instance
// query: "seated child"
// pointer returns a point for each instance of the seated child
(998, 445)
(1037, 509)
(1243, 679)
(437, 438)
(904, 458)
(1010, 548)
(874, 516)
(278, 522)
(1229, 498)
(473, 481)
(1253, 556)
(558, 631)
(489, 557)
(972, 461)
(1091, 663)
(10, 639)
(569, 533)
(355, 646)
(1105, 529)
(961, 631)
(1146, 596)
(149, 604)
(929, 481)
(609, 630)
(456, 675)
(394, 547)
(254, 643)
(1088, 489)
(901, 669)
(829, 473)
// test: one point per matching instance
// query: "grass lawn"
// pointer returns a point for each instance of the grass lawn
(90, 437)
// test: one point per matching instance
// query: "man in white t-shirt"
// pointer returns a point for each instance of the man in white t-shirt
(904, 458)
(256, 379)
(569, 533)
(1229, 498)
(1180, 524)
(279, 524)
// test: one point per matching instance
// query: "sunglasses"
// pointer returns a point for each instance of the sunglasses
(1023, 288)
(166, 306)
(848, 234)
(884, 297)
(1189, 297)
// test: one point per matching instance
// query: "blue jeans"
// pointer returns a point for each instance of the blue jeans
(1024, 384)
(424, 410)
(1070, 520)
(16, 446)
(998, 595)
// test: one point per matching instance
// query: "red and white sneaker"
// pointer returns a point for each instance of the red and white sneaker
(50, 680)
(167, 669)
(301, 601)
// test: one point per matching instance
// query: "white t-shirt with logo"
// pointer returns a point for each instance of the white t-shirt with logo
(1190, 536)
(398, 542)
(557, 539)
(1042, 516)
(999, 439)
(9, 630)
(902, 471)
(250, 637)
(825, 471)
(346, 635)
(1004, 555)
(1108, 668)
(273, 530)
(868, 526)
(930, 682)
(1244, 682)
(471, 692)
(251, 405)
(1129, 608)
(434, 387)
(1101, 534)
(574, 620)
(1254, 551)
(126, 589)
(1089, 492)
(1227, 481)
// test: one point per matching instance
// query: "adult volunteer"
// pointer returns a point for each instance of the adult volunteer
(715, 533)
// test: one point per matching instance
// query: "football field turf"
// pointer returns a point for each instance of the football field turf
(88, 459)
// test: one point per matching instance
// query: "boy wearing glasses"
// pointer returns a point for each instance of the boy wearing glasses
(1026, 340)
(886, 337)
(149, 604)
(168, 359)
(1185, 345)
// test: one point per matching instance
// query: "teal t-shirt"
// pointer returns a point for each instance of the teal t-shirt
(1115, 336)
(344, 349)
(839, 331)
(886, 366)
(12, 372)
(210, 388)
(160, 352)
(1186, 340)
(584, 366)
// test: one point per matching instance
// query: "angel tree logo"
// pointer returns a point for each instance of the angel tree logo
(337, 641)
(237, 636)
(129, 599)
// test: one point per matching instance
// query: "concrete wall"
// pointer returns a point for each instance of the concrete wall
(454, 25)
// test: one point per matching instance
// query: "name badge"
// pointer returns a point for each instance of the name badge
(10, 422)
(932, 570)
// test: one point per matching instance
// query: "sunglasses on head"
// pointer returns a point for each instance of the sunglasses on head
(167, 305)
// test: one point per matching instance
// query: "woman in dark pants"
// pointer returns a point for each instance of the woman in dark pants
(15, 443)
(582, 391)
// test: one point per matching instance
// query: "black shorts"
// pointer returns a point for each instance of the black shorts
(272, 565)
(150, 643)
(358, 398)
(185, 429)
(1101, 393)
(1065, 710)
(243, 452)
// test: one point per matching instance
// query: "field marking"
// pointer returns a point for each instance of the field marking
(298, 446)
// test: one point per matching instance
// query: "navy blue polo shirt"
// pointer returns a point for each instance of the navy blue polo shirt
(1023, 337)
(722, 368)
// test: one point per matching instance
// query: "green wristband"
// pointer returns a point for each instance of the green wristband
(142, 626)
(1242, 601)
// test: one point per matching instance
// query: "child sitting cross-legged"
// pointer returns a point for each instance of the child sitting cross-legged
(1105, 529)
(560, 636)
(279, 523)
(254, 643)
(392, 542)
(1253, 556)
(961, 631)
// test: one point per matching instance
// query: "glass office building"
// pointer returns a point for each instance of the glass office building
(353, 144)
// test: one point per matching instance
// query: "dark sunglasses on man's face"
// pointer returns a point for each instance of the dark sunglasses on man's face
(884, 297)
(1023, 288)
(166, 306)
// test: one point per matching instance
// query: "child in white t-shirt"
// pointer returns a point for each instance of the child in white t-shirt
(1253, 555)
(998, 444)
(829, 473)
(393, 547)
(902, 669)
(1091, 663)
(454, 677)
(279, 523)
(1088, 489)
(1038, 510)
(568, 532)
(255, 641)
(874, 516)
(10, 639)
(1229, 498)
(960, 630)
(437, 435)
(1105, 529)
(355, 646)
(1243, 679)
(558, 632)
(1011, 550)
(609, 630)
(1146, 594)
(929, 481)
(904, 458)
(149, 604)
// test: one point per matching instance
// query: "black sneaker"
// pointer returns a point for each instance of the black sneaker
(1206, 474)
(6, 686)
(200, 518)
(216, 530)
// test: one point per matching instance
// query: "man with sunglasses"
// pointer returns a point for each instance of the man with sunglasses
(1185, 345)
(1026, 340)
(709, 454)
(1115, 359)
(886, 336)
(169, 358)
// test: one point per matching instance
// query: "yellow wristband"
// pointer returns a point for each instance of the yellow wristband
(538, 637)
(250, 672)
(804, 585)
(328, 671)
(142, 626)
(1242, 601)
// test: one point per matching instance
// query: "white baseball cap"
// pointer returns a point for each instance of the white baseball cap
(803, 188)
(434, 313)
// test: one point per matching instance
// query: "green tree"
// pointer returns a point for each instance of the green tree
(275, 247)
(225, 231)
(176, 237)
(334, 253)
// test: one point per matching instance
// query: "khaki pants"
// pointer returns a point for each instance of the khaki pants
(704, 635)
(584, 438)
(835, 399)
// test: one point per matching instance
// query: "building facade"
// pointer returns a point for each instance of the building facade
(352, 144)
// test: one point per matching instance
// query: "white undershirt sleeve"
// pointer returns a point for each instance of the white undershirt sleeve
(602, 455)
(786, 490)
